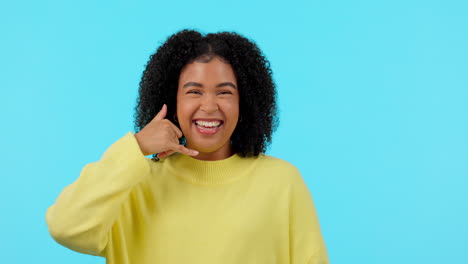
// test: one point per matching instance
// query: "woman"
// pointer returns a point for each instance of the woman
(206, 112)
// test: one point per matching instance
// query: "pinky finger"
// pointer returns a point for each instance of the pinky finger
(189, 152)
(161, 155)
(165, 154)
(182, 149)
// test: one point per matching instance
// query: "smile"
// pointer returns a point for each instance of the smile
(208, 127)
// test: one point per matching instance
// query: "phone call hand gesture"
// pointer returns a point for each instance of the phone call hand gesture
(161, 136)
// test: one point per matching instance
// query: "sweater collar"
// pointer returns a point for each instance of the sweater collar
(205, 172)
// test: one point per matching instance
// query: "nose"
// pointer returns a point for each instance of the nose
(209, 104)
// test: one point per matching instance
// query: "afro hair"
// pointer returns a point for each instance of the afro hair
(257, 106)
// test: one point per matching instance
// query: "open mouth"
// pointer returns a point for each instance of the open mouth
(208, 127)
(208, 124)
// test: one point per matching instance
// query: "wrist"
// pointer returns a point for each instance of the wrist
(140, 144)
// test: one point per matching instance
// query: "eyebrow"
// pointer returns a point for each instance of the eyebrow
(217, 86)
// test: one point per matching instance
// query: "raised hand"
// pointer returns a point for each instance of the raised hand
(161, 136)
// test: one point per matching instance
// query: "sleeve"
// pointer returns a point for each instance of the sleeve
(307, 245)
(83, 214)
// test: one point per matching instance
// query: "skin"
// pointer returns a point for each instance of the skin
(161, 136)
(208, 90)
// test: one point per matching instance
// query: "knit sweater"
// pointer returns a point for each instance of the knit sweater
(132, 210)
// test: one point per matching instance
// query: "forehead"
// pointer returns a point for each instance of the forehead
(213, 71)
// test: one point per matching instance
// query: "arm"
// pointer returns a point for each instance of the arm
(306, 242)
(85, 211)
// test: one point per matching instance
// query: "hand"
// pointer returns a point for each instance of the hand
(161, 136)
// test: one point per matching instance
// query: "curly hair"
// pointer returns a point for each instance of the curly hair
(257, 94)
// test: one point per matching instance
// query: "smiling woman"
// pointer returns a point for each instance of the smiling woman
(208, 107)
(206, 112)
(202, 63)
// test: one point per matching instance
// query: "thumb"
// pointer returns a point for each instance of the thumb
(162, 113)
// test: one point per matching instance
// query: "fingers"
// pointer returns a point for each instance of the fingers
(177, 148)
(162, 113)
(165, 154)
(177, 131)
(184, 150)
(180, 149)
(165, 128)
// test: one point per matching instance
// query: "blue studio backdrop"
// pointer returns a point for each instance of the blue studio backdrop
(373, 100)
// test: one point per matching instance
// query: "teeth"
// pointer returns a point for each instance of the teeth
(208, 124)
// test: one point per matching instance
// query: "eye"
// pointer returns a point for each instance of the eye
(194, 92)
(225, 92)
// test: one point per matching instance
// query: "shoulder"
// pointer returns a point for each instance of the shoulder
(276, 163)
(275, 166)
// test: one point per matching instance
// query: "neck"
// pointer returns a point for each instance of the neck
(207, 173)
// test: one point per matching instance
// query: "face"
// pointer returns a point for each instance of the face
(208, 107)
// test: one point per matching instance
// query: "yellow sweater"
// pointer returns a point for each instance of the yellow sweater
(131, 210)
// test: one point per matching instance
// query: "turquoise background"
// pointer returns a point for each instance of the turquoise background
(373, 100)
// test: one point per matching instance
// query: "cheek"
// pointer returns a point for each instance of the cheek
(184, 113)
(235, 105)
(232, 110)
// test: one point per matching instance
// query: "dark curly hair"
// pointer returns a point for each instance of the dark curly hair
(257, 94)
